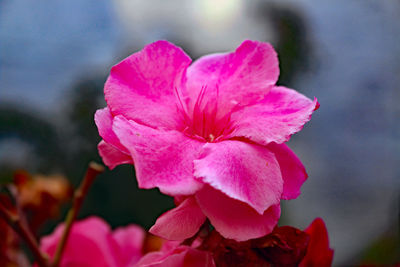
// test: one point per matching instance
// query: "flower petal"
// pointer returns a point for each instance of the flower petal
(141, 87)
(246, 172)
(112, 156)
(130, 239)
(282, 113)
(182, 256)
(318, 252)
(293, 172)
(241, 77)
(181, 222)
(104, 121)
(90, 244)
(163, 159)
(234, 219)
(110, 148)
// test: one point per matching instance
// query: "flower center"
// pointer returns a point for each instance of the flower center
(203, 118)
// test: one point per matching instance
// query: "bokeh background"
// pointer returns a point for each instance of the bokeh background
(55, 56)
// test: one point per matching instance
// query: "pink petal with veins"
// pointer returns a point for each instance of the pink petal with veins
(181, 222)
(235, 219)
(142, 86)
(293, 172)
(282, 113)
(113, 157)
(163, 159)
(245, 172)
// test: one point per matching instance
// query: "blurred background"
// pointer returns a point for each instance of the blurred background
(55, 56)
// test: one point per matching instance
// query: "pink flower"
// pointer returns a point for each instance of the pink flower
(318, 254)
(92, 243)
(211, 133)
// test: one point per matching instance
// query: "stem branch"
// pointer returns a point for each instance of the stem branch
(93, 170)
(13, 220)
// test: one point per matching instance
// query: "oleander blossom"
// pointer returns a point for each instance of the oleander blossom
(92, 243)
(211, 134)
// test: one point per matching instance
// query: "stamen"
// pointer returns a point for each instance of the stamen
(198, 112)
(182, 106)
(213, 114)
(212, 137)
(203, 129)
(207, 121)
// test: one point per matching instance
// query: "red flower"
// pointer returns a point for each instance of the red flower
(318, 252)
